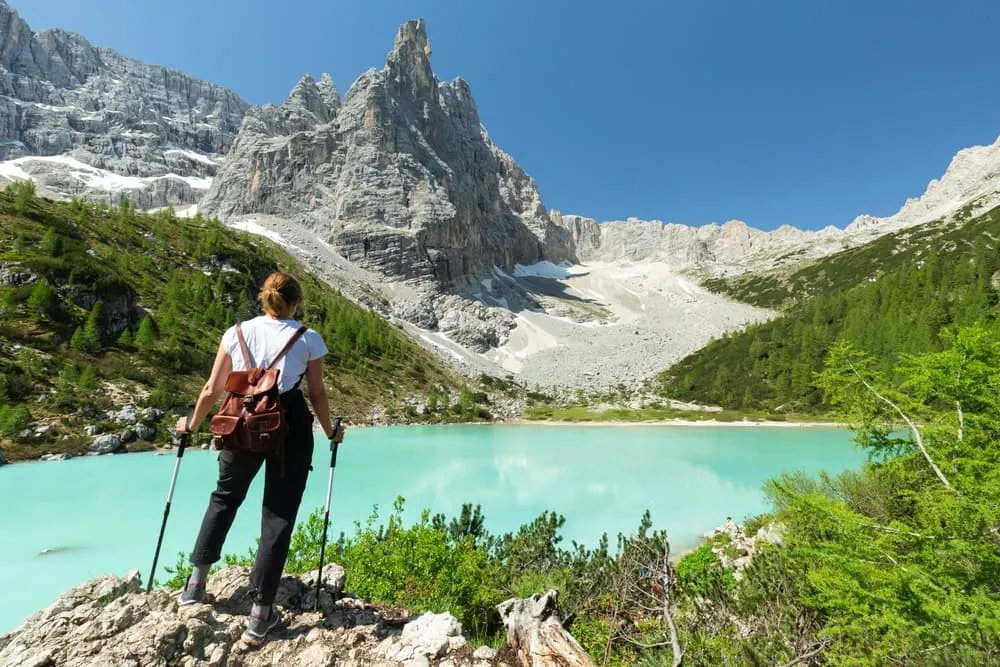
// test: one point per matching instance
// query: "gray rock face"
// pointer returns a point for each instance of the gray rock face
(400, 177)
(682, 246)
(3, 459)
(112, 621)
(86, 120)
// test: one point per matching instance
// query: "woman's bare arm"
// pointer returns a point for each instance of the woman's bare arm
(319, 400)
(211, 392)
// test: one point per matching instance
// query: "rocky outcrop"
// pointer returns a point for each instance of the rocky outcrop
(736, 549)
(400, 177)
(85, 120)
(112, 621)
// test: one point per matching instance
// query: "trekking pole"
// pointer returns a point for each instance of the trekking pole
(326, 517)
(183, 440)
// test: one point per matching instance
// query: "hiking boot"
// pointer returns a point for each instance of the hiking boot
(194, 593)
(257, 627)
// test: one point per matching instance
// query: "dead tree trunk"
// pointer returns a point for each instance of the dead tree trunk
(537, 636)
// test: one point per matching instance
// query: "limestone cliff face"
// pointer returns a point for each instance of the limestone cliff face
(80, 119)
(400, 177)
(681, 246)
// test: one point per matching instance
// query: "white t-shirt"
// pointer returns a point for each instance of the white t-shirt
(265, 337)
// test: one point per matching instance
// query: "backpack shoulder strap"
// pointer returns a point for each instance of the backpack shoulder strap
(291, 341)
(243, 346)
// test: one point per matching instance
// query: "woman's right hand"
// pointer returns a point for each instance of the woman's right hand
(338, 435)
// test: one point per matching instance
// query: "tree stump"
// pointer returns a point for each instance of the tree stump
(537, 636)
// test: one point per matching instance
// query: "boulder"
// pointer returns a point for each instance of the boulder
(152, 415)
(145, 432)
(127, 416)
(106, 444)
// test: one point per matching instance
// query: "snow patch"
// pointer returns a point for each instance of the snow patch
(546, 269)
(191, 155)
(252, 227)
(92, 177)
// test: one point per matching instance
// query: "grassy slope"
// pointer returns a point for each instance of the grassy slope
(194, 278)
(894, 295)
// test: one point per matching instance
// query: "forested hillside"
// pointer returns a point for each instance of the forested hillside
(103, 307)
(889, 297)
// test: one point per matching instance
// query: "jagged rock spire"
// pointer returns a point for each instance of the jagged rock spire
(306, 97)
(410, 58)
(328, 91)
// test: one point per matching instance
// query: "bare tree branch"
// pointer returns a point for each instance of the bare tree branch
(961, 419)
(805, 656)
(913, 427)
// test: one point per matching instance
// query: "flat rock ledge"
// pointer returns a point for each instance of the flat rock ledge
(111, 621)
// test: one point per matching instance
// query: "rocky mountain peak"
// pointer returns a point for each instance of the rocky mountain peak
(411, 45)
(406, 183)
(307, 97)
(328, 90)
(409, 62)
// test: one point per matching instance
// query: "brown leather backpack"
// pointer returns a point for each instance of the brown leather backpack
(251, 418)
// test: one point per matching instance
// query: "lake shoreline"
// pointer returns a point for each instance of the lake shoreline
(517, 421)
(682, 422)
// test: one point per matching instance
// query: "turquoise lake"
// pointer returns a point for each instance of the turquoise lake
(103, 514)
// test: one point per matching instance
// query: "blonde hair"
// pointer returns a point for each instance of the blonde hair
(279, 295)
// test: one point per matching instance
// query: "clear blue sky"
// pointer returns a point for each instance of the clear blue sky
(778, 111)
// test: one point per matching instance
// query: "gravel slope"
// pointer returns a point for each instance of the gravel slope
(642, 317)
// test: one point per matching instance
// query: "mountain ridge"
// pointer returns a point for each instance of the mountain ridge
(84, 120)
(399, 179)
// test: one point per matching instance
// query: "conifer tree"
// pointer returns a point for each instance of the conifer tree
(146, 335)
(52, 243)
(42, 300)
(92, 329)
(125, 340)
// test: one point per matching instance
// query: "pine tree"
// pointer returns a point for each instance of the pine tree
(52, 243)
(24, 195)
(77, 342)
(42, 300)
(92, 329)
(146, 335)
(8, 304)
(88, 377)
(125, 340)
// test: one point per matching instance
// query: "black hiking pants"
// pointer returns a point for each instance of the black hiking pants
(282, 496)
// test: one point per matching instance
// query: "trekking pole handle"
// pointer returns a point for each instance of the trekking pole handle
(333, 443)
(184, 437)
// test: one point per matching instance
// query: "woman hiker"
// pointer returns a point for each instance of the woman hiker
(265, 337)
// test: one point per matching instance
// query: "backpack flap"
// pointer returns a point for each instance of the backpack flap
(268, 422)
(223, 425)
(253, 382)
